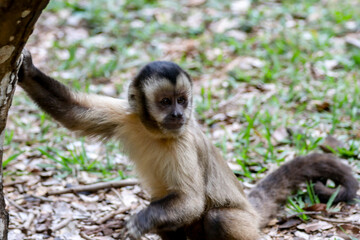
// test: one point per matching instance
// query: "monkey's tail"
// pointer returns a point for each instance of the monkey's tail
(274, 189)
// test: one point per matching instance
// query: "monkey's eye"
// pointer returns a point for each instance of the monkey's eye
(165, 101)
(181, 100)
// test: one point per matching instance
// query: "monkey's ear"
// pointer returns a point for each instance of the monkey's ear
(133, 97)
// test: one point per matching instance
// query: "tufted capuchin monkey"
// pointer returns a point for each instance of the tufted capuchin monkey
(194, 193)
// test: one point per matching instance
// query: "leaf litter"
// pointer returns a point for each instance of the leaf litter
(101, 215)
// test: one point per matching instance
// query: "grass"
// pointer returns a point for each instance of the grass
(314, 199)
(307, 199)
(293, 43)
(297, 204)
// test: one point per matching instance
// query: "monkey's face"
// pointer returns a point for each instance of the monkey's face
(169, 103)
(162, 96)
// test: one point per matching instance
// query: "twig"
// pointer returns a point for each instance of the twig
(44, 199)
(62, 224)
(14, 183)
(336, 220)
(314, 213)
(96, 186)
(112, 214)
(16, 205)
(306, 213)
(318, 216)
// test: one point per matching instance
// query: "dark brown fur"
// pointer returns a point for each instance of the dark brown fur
(195, 194)
(313, 167)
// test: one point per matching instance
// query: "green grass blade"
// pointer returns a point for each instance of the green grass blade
(332, 198)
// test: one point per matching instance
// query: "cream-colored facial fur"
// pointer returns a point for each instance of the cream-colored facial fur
(154, 86)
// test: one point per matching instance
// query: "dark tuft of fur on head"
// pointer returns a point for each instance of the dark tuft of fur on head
(159, 69)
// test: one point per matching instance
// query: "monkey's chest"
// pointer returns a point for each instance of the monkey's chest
(153, 167)
(163, 168)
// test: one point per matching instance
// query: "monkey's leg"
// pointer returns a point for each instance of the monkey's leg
(231, 224)
(178, 234)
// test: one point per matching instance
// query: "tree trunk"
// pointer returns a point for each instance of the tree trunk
(17, 20)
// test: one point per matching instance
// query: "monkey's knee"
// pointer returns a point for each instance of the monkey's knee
(231, 224)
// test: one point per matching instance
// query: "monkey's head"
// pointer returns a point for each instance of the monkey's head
(161, 94)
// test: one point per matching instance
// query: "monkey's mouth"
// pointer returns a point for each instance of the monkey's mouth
(173, 125)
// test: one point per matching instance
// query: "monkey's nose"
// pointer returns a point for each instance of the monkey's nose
(177, 115)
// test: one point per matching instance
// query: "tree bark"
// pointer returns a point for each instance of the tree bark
(17, 20)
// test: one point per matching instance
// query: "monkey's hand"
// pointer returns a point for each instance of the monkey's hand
(133, 230)
(27, 69)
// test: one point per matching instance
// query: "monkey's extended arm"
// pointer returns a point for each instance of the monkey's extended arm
(88, 114)
(104, 117)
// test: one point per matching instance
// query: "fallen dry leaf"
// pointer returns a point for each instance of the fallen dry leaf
(302, 235)
(353, 40)
(346, 230)
(314, 226)
(290, 223)
(331, 143)
(241, 6)
(195, 3)
(316, 207)
(279, 135)
(321, 106)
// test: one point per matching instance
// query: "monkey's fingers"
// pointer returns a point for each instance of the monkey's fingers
(132, 231)
(26, 53)
(124, 235)
(129, 236)
(26, 68)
